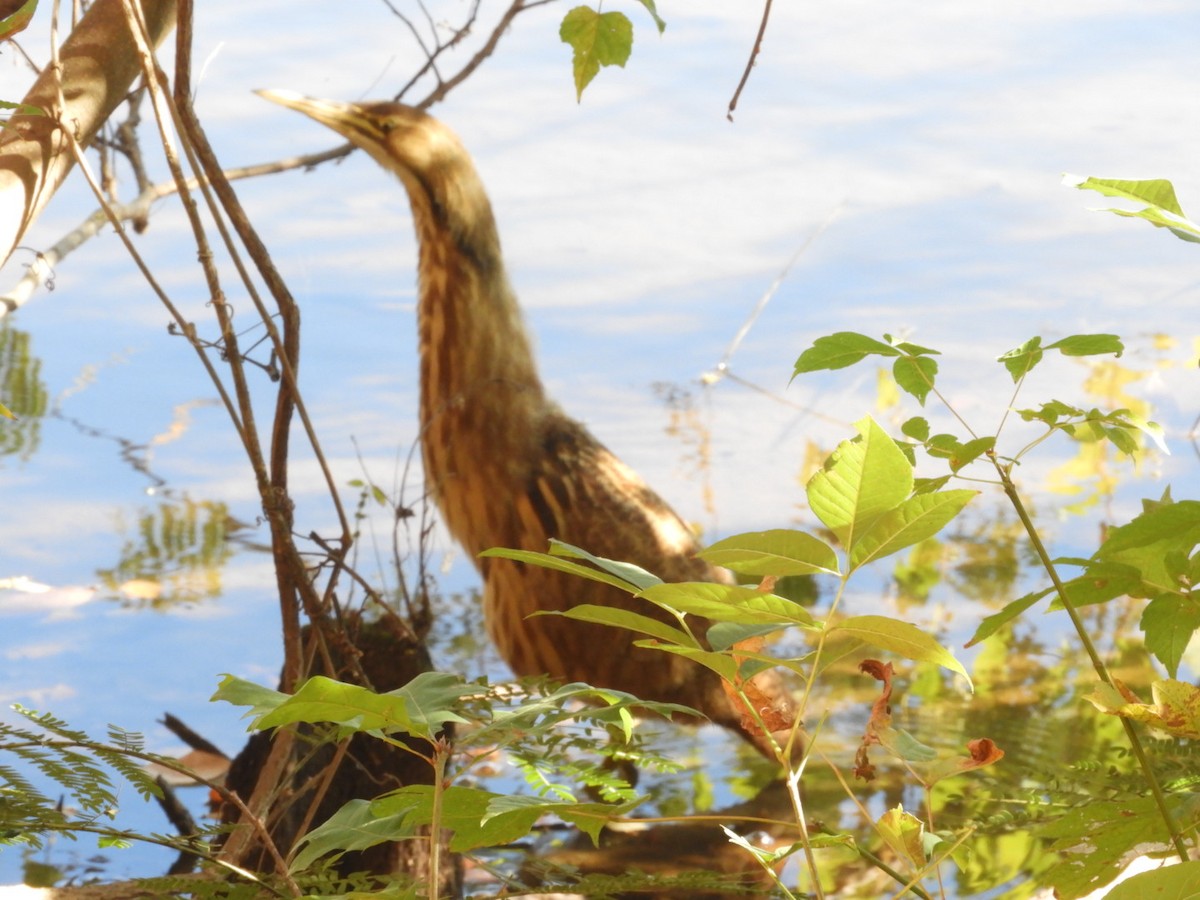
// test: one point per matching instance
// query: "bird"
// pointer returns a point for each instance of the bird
(503, 462)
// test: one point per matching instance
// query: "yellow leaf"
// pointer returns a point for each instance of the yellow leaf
(1175, 710)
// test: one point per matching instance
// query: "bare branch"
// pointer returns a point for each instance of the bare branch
(97, 64)
(40, 272)
(754, 51)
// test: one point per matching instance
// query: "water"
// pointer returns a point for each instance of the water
(641, 228)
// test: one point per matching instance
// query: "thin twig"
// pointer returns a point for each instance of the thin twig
(445, 87)
(754, 51)
(40, 272)
(1135, 742)
(723, 364)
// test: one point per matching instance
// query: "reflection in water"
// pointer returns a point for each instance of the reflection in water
(22, 391)
(173, 554)
(1061, 755)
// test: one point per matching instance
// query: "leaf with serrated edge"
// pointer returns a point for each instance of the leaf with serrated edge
(420, 707)
(860, 481)
(1164, 210)
(1169, 623)
(915, 375)
(836, 351)
(902, 638)
(597, 39)
(1155, 191)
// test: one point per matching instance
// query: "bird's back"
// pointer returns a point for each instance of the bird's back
(575, 490)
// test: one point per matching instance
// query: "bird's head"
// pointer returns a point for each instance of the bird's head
(402, 139)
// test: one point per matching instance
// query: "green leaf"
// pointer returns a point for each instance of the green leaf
(1181, 882)
(1155, 191)
(1148, 542)
(917, 518)
(780, 551)
(541, 712)
(915, 349)
(915, 375)
(916, 428)
(1101, 582)
(635, 575)
(728, 603)
(836, 351)
(353, 827)
(906, 747)
(1118, 826)
(590, 818)
(547, 561)
(721, 663)
(1051, 413)
(1169, 623)
(1020, 361)
(930, 485)
(723, 635)
(659, 23)
(623, 618)
(239, 692)
(899, 637)
(861, 480)
(597, 39)
(1152, 430)
(1088, 345)
(477, 818)
(1174, 710)
(19, 109)
(1164, 210)
(420, 707)
(904, 833)
(956, 453)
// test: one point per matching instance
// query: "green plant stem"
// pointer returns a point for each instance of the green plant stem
(867, 856)
(441, 754)
(793, 786)
(198, 848)
(1135, 742)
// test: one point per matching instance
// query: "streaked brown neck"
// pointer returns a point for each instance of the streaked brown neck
(480, 391)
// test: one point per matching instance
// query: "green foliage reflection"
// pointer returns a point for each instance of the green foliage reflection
(23, 392)
(174, 556)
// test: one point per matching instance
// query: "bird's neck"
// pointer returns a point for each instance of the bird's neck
(481, 398)
(473, 338)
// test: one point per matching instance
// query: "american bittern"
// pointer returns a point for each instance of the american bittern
(506, 466)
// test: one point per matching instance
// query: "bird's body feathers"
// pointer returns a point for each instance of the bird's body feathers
(505, 465)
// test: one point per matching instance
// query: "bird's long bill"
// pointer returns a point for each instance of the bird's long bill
(347, 119)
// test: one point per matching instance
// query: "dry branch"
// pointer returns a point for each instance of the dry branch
(98, 63)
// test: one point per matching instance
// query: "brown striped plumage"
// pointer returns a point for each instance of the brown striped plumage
(505, 465)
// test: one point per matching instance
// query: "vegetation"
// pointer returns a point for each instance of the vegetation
(873, 506)
(932, 819)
